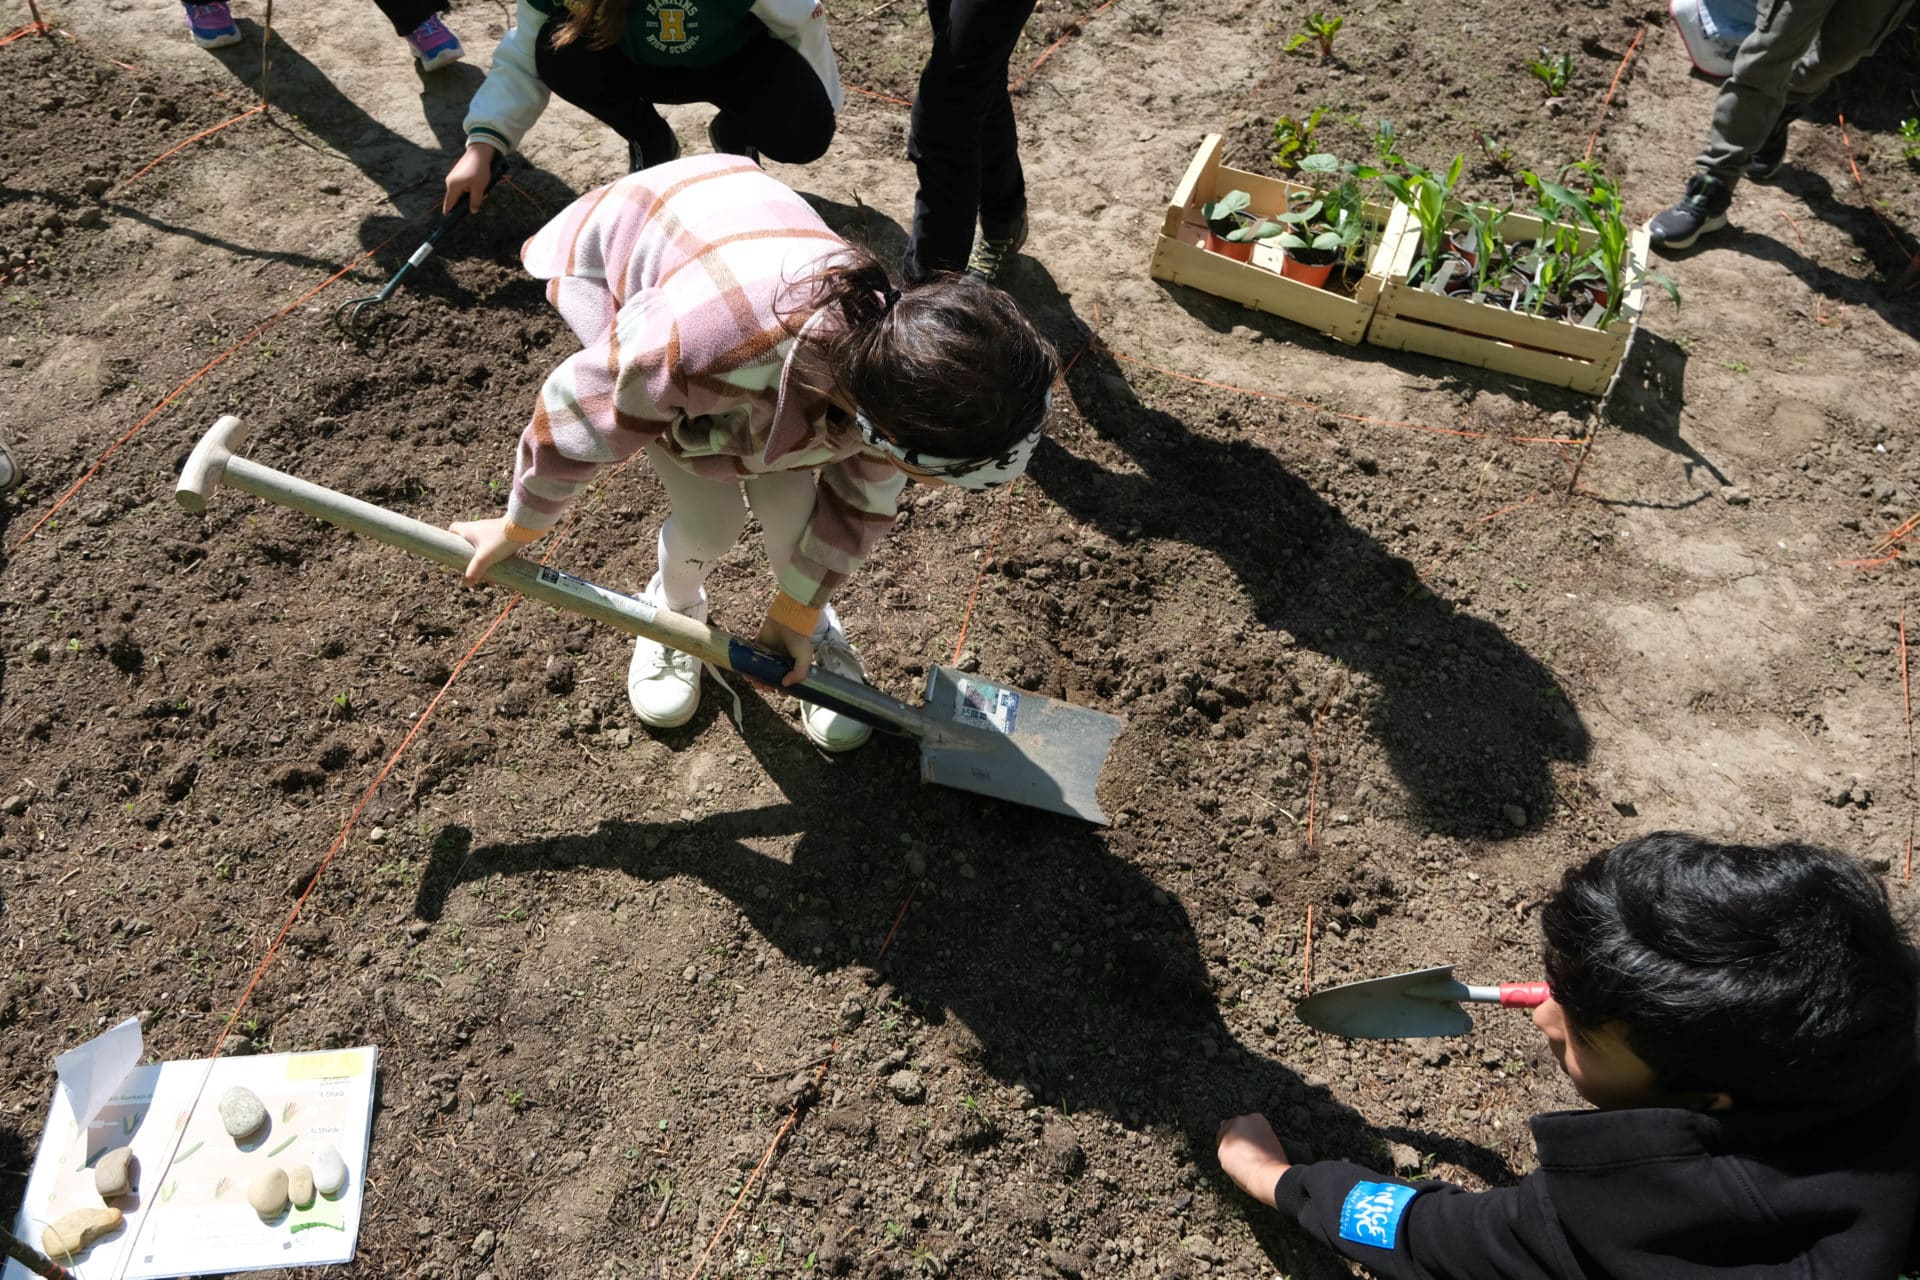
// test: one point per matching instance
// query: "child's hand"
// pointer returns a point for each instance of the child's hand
(1251, 1154)
(469, 178)
(490, 545)
(775, 638)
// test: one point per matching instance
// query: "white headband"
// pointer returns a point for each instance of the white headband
(967, 473)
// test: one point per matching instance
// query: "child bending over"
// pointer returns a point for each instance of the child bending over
(1743, 1019)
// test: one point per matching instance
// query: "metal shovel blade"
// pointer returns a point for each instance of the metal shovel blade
(1406, 1006)
(1014, 745)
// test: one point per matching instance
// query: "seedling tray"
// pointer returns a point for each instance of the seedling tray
(1534, 347)
(1180, 255)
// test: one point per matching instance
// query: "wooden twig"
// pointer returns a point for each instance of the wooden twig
(266, 41)
(22, 1252)
(40, 26)
(1306, 960)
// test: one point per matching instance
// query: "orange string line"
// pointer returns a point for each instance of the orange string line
(1907, 526)
(31, 29)
(1306, 961)
(1349, 417)
(792, 1117)
(1820, 301)
(1459, 542)
(1906, 699)
(198, 374)
(522, 192)
(898, 918)
(1073, 29)
(1893, 232)
(1873, 563)
(966, 615)
(881, 97)
(1606, 102)
(254, 110)
(1313, 750)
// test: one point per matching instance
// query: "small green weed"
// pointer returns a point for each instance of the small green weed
(1910, 141)
(1320, 28)
(1552, 71)
(1293, 139)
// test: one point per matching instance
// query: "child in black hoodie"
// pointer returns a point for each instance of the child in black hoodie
(1743, 1018)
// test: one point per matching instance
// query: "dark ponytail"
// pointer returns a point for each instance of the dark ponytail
(951, 367)
(600, 23)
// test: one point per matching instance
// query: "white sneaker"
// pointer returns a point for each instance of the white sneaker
(829, 730)
(663, 684)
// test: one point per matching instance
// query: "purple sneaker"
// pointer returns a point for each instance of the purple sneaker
(434, 45)
(212, 25)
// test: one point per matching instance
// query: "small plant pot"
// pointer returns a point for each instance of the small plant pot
(1312, 273)
(1461, 242)
(1238, 250)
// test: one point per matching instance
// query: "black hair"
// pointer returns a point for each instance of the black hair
(950, 367)
(1776, 974)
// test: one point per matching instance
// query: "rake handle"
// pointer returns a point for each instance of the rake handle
(447, 222)
(213, 463)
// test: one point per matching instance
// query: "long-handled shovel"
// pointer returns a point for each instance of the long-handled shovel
(1409, 1006)
(973, 735)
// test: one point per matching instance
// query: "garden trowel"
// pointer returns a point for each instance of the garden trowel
(1410, 1006)
(973, 734)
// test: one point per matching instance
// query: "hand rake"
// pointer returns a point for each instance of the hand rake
(973, 734)
(348, 317)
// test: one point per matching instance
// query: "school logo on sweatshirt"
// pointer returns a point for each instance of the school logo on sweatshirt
(675, 25)
(1372, 1211)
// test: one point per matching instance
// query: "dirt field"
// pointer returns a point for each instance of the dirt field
(601, 966)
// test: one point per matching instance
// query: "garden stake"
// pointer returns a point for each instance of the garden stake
(973, 735)
(347, 319)
(1409, 1006)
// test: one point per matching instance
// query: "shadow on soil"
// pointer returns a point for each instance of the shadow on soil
(1076, 974)
(1469, 720)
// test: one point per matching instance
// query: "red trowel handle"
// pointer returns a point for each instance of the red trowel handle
(1524, 995)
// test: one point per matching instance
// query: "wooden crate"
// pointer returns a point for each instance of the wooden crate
(1180, 255)
(1534, 347)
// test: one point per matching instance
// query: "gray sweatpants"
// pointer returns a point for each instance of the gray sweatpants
(1798, 48)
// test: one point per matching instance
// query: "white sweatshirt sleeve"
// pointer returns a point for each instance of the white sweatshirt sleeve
(511, 98)
(802, 24)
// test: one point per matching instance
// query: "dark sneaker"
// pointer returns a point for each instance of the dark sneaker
(1771, 154)
(713, 140)
(639, 157)
(991, 252)
(1702, 209)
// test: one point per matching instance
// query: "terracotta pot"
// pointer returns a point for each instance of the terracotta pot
(1461, 242)
(1305, 272)
(1238, 250)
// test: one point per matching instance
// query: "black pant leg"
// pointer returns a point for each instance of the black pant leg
(770, 99)
(607, 85)
(405, 15)
(962, 141)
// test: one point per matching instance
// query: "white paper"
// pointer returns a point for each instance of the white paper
(90, 1073)
(190, 1214)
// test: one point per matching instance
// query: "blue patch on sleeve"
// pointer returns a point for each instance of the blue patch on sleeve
(1372, 1213)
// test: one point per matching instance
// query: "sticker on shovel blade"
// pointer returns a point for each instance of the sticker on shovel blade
(980, 705)
(581, 589)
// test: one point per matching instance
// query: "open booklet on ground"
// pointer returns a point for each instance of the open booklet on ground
(187, 1210)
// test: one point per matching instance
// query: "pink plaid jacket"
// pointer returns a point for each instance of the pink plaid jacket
(671, 278)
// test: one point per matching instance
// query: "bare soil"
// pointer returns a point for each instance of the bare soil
(604, 967)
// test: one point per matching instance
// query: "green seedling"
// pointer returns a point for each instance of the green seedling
(1321, 28)
(1293, 139)
(1430, 198)
(1499, 154)
(1552, 71)
(1229, 219)
(1910, 141)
